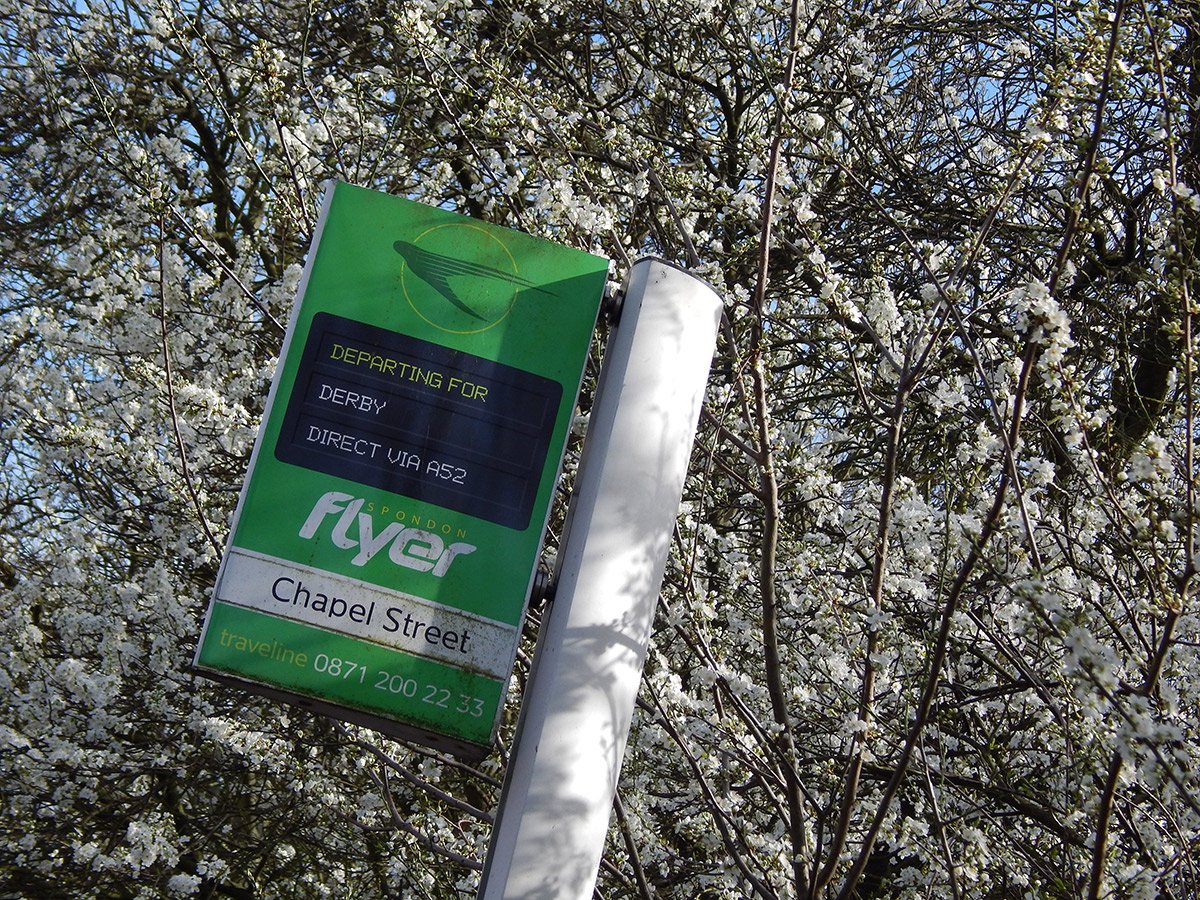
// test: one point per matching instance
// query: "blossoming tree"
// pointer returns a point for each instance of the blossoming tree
(929, 628)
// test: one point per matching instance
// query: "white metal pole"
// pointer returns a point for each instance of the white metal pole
(575, 718)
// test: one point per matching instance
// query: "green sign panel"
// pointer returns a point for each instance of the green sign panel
(389, 528)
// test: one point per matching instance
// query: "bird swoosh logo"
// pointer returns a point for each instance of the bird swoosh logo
(460, 278)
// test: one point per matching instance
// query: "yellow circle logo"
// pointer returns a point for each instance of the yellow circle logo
(459, 278)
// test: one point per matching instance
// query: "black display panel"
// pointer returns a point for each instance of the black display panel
(419, 419)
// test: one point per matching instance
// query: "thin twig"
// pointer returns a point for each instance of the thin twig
(937, 659)
(643, 884)
(169, 378)
(769, 487)
(867, 691)
(225, 267)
